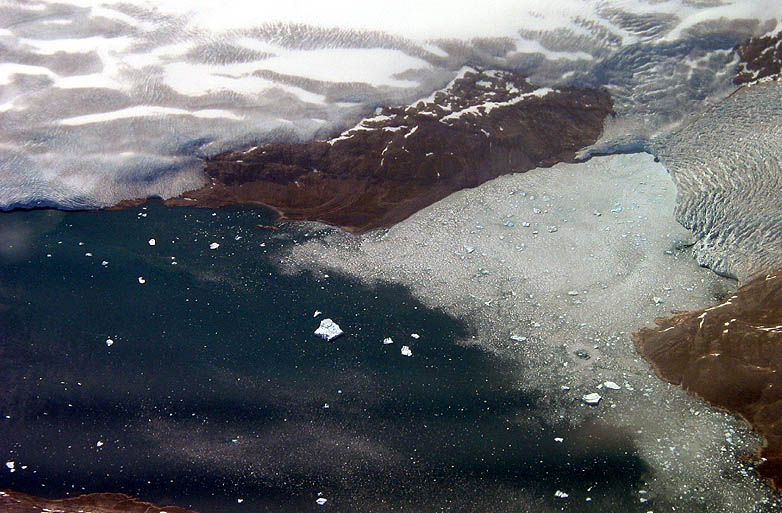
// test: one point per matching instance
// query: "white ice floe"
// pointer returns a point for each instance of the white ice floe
(11, 466)
(141, 280)
(99, 444)
(415, 335)
(214, 245)
(109, 342)
(611, 385)
(388, 340)
(321, 501)
(152, 242)
(406, 351)
(328, 330)
(518, 338)
(317, 313)
(592, 399)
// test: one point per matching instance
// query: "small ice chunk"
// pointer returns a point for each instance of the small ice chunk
(141, 280)
(406, 351)
(572, 293)
(592, 399)
(99, 444)
(317, 313)
(11, 466)
(518, 338)
(559, 440)
(469, 249)
(88, 254)
(109, 342)
(536, 210)
(328, 330)
(152, 242)
(415, 335)
(552, 229)
(597, 213)
(239, 501)
(321, 501)
(611, 385)
(388, 340)
(104, 263)
(214, 245)
(560, 494)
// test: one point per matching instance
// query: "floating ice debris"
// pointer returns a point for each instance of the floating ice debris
(597, 213)
(415, 335)
(104, 263)
(11, 466)
(509, 224)
(326, 406)
(572, 293)
(564, 388)
(328, 330)
(99, 444)
(525, 224)
(317, 313)
(388, 340)
(559, 440)
(552, 229)
(214, 245)
(518, 338)
(141, 280)
(152, 242)
(321, 501)
(560, 494)
(469, 249)
(611, 385)
(658, 300)
(109, 342)
(88, 254)
(406, 351)
(616, 210)
(592, 399)
(240, 501)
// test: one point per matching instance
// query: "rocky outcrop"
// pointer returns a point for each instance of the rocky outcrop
(760, 57)
(730, 355)
(16, 502)
(482, 125)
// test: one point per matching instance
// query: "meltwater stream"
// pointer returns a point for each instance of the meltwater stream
(216, 394)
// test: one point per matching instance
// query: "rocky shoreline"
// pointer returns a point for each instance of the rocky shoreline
(730, 355)
(389, 166)
(16, 502)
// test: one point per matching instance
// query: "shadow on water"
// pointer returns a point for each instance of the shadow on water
(215, 388)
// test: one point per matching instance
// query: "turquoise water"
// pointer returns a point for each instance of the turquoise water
(216, 394)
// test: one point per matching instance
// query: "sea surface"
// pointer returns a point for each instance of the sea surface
(217, 395)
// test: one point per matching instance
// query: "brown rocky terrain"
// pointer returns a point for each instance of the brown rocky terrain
(15, 502)
(482, 125)
(731, 356)
(761, 57)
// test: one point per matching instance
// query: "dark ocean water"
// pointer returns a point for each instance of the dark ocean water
(215, 388)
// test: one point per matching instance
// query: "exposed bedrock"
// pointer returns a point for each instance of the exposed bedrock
(760, 57)
(16, 502)
(482, 125)
(730, 355)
